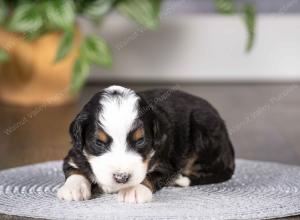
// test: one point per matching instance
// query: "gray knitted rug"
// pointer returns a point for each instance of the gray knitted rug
(258, 190)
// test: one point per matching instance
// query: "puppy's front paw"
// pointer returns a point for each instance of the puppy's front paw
(76, 188)
(136, 194)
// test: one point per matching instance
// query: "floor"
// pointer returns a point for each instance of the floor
(263, 121)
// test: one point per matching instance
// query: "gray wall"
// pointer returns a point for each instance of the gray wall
(206, 6)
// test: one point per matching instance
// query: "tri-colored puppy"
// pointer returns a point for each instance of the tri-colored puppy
(135, 143)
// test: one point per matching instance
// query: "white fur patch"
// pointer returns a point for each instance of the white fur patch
(117, 88)
(109, 163)
(72, 164)
(117, 117)
(76, 188)
(182, 181)
(136, 194)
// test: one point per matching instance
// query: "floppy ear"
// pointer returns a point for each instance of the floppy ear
(76, 130)
(158, 133)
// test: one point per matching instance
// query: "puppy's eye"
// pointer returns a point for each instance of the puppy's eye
(140, 141)
(100, 143)
(102, 139)
(138, 137)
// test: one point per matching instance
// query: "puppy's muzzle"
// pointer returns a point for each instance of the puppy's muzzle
(121, 177)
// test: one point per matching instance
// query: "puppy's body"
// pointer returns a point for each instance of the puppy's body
(148, 140)
(195, 141)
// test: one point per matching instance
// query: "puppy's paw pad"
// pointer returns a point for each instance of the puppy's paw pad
(136, 194)
(182, 181)
(76, 188)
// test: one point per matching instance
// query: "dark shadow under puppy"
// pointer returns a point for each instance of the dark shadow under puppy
(135, 143)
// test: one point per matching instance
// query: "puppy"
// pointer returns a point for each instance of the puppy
(135, 143)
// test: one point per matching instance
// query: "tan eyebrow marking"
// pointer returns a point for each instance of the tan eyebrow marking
(103, 137)
(138, 134)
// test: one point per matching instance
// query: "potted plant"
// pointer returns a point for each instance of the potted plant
(44, 55)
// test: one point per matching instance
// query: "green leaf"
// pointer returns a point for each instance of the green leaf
(3, 56)
(250, 20)
(144, 12)
(32, 35)
(96, 9)
(65, 45)
(3, 11)
(95, 50)
(225, 6)
(60, 13)
(80, 73)
(26, 18)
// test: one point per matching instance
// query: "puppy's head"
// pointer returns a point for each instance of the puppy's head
(116, 136)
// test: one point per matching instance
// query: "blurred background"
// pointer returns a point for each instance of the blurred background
(243, 56)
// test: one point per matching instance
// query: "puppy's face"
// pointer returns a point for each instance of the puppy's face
(118, 139)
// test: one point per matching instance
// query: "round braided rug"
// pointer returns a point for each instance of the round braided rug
(258, 190)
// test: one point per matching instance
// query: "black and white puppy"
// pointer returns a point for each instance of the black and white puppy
(135, 143)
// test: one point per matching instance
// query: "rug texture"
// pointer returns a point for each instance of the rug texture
(258, 190)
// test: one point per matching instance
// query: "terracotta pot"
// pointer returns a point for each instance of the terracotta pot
(31, 77)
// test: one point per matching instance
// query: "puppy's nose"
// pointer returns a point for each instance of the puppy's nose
(121, 177)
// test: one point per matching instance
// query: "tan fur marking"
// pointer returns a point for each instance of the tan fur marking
(73, 172)
(138, 134)
(146, 163)
(102, 137)
(148, 184)
(189, 168)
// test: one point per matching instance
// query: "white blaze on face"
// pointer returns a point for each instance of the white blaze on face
(117, 117)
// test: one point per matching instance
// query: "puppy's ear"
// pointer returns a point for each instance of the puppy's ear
(158, 133)
(76, 130)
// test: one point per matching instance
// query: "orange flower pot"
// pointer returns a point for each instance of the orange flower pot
(31, 77)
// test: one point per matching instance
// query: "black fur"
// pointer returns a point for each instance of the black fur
(188, 135)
